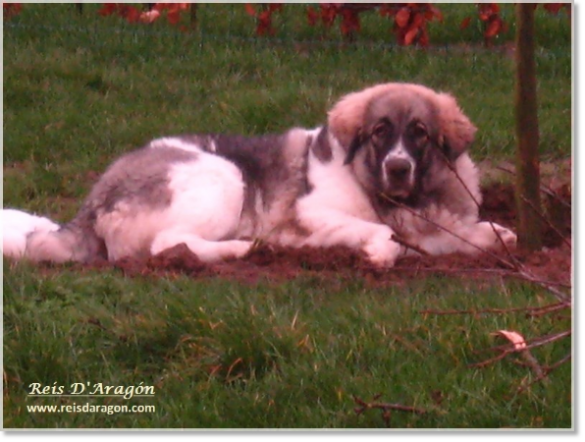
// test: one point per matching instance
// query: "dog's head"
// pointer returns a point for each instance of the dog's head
(393, 133)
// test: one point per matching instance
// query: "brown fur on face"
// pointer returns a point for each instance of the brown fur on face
(347, 118)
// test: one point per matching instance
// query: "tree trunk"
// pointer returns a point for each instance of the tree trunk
(527, 157)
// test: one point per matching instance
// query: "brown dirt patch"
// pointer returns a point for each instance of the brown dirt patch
(278, 264)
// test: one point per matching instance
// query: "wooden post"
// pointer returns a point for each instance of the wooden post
(527, 156)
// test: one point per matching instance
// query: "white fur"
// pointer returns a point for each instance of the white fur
(206, 207)
(177, 143)
(338, 211)
(16, 226)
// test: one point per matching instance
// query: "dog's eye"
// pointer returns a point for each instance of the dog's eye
(382, 130)
(419, 131)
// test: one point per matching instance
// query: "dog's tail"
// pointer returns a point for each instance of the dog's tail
(38, 239)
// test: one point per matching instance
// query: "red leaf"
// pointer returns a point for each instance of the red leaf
(160, 6)
(174, 16)
(465, 23)
(250, 10)
(424, 38)
(328, 14)
(350, 23)
(418, 20)
(553, 8)
(11, 9)
(493, 28)
(264, 24)
(312, 16)
(386, 10)
(402, 17)
(487, 10)
(108, 9)
(433, 12)
(132, 15)
(410, 35)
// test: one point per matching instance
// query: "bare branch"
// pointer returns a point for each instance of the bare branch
(510, 348)
(386, 408)
(546, 372)
(406, 244)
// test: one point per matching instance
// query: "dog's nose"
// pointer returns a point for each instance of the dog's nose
(398, 169)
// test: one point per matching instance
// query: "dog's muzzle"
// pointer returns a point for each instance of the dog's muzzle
(399, 177)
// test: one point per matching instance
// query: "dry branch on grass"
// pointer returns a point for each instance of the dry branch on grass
(524, 350)
(385, 407)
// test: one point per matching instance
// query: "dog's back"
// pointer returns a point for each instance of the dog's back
(197, 189)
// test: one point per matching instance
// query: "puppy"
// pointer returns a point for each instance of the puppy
(390, 158)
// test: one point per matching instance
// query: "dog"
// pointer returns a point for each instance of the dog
(388, 175)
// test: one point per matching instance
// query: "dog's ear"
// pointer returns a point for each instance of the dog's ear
(457, 131)
(354, 146)
(346, 117)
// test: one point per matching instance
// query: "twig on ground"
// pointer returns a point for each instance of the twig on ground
(510, 348)
(386, 408)
(545, 372)
(406, 244)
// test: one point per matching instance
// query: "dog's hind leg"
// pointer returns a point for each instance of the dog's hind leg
(205, 250)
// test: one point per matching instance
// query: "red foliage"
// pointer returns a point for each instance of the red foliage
(554, 8)
(264, 18)
(129, 13)
(410, 21)
(133, 15)
(11, 9)
(173, 11)
(465, 23)
(349, 13)
(489, 14)
(312, 16)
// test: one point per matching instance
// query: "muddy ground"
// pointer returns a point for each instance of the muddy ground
(552, 263)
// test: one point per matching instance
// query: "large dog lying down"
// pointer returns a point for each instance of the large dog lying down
(388, 157)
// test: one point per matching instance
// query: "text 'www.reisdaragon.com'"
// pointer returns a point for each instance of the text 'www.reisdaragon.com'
(91, 408)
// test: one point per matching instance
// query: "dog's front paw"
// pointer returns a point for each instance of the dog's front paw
(381, 250)
(493, 236)
(508, 237)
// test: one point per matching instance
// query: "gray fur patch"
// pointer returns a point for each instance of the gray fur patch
(321, 147)
(138, 179)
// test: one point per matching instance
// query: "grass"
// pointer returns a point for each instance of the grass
(279, 356)
(80, 90)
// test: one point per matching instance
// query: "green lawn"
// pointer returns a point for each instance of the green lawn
(80, 90)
